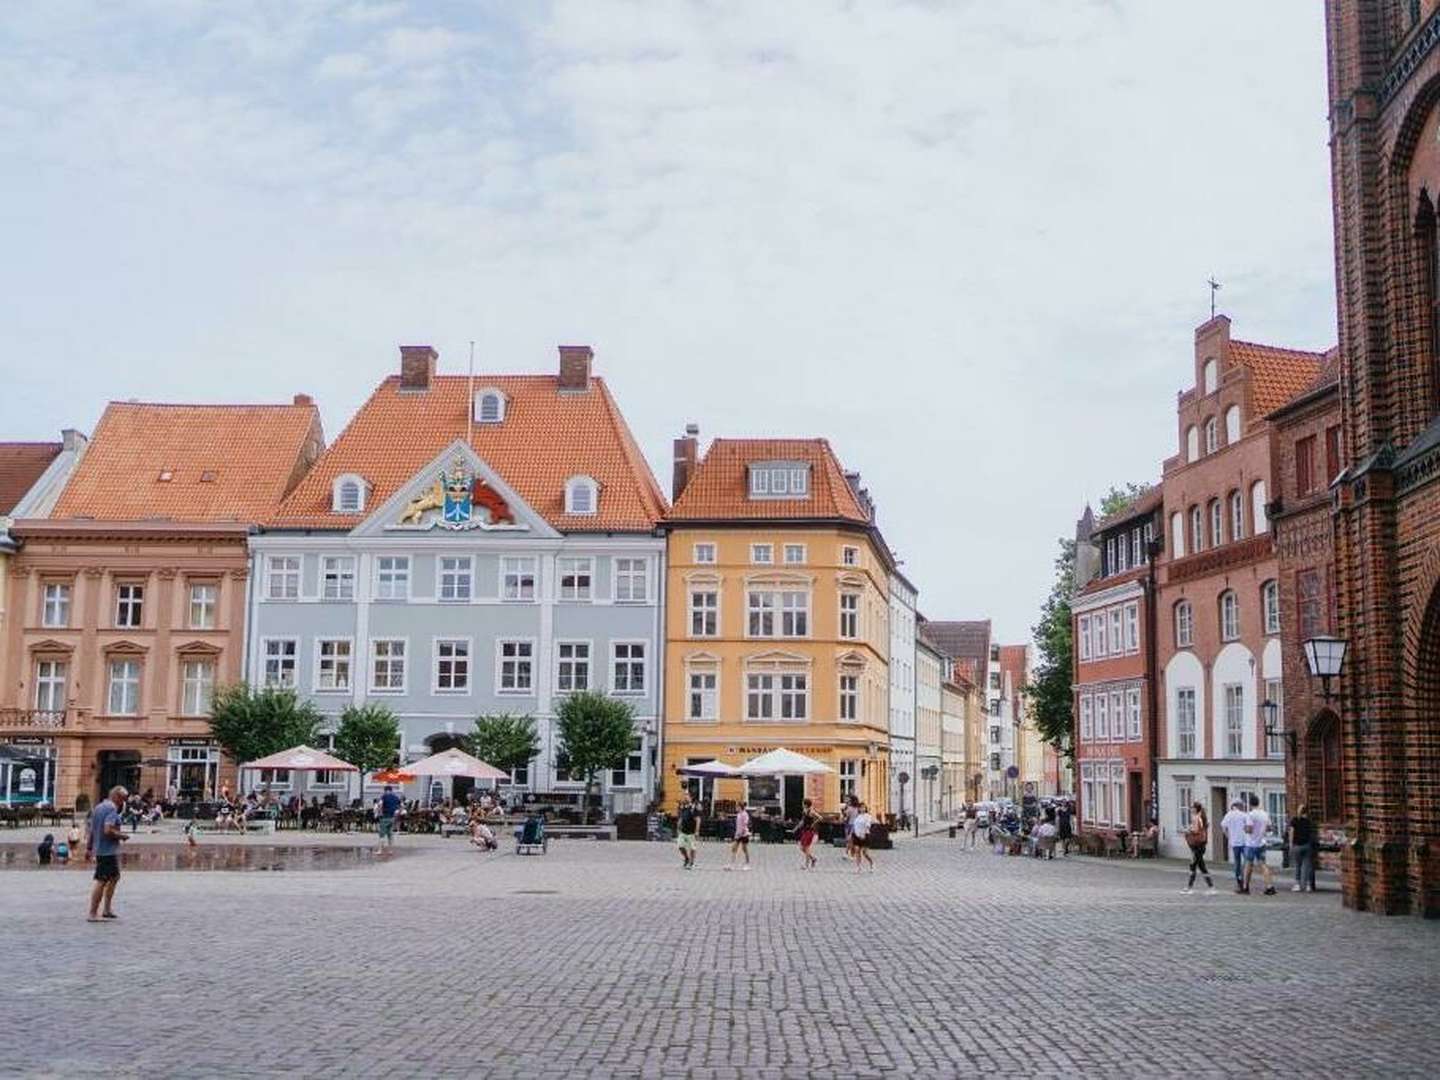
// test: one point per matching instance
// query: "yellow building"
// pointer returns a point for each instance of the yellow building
(777, 623)
(954, 701)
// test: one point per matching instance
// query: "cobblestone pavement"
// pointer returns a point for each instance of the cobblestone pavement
(608, 960)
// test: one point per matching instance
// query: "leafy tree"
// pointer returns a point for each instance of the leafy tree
(252, 723)
(1049, 689)
(1117, 498)
(368, 738)
(596, 732)
(505, 741)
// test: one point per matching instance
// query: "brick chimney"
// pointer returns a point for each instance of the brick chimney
(302, 399)
(575, 368)
(686, 450)
(417, 367)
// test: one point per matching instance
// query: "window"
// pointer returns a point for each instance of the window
(580, 495)
(1217, 536)
(794, 554)
(387, 665)
(50, 686)
(1229, 616)
(794, 614)
(1305, 465)
(1209, 376)
(1275, 692)
(1197, 531)
(1117, 787)
(1332, 453)
(197, 686)
(704, 613)
(1117, 631)
(1149, 538)
(1237, 516)
(517, 667)
(761, 607)
(1185, 721)
(1270, 602)
(995, 735)
(1088, 808)
(1234, 720)
(275, 778)
(703, 696)
(762, 554)
(517, 579)
(794, 697)
(1117, 715)
(1132, 627)
(1084, 637)
(1184, 625)
(1177, 535)
(849, 697)
(124, 696)
(849, 777)
(1184, 799)
(202, 606)
(1308, 603)
(1192, 443)
(1109, 558)
(849, 615)
(279, 661)
(392, 577)
(456, 578)
(129, 605)
(1275, 807)
(1100, 624)
(55, 605)
(575, 579)
(572, 670)
(1138, 555)
(631, 581)
(1102, 716)
(489, 407)
(779, 480)
(337, 577)
(1212, 436)
(849, 556)
(452, 666)
(1132, 712)
(628, 665)
(282, 577)
(759, 697)
(1232, 424)
(332, 665)
(630, 773)
(348, 495)
(705, 553)
(1087, 717)
(1259, 520)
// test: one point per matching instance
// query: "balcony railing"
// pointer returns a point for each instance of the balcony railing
(34, 719)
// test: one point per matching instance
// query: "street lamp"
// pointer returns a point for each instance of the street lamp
(1325, 656)
(1271, 731)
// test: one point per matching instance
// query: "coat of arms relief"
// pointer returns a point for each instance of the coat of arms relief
(459, 499)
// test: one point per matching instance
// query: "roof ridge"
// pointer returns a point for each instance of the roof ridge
(1282, 348)
(211, 404)
(640, 472)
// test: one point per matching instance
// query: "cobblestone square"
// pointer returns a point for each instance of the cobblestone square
(608, 960)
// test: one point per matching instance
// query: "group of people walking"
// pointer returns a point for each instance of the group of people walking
(858, 823)
(1245, 830)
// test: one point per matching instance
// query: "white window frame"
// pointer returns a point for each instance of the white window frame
(338, 570)
(279, 660)
(1185, 729)
(1132, 713)
(1237, 515)
(630, 690)
(372, 658)
(193, 683)
(392, 582)
(514, 569)
(1275, 691)
(573, 487)
(762, 554)
(798, 690)
(1084, 633)
(281, 573)
(574, 664)
(1120, 812)
(1217, 523)
(203, 607)
(1212, 436)
(1270, 601)
(1184, 796)
(628, 572)
(1089, 808)
(794, 613)
(1260, 520)
(128, 684)
(849, 695)
(467, 662)
(849, 778)
(849, 555)
(797, 551)
(461, 575)
(1102, 716)
(1117, 631)
(52, 678)
(1233, 712)
(850, 616)
(529, 660)
(705, 553)
(707, 615)
(1229, 615)
(1087, 717)
(336, 662)
(1184, 624)
(130, 602)
(575, 567)
(343, 484)
(1132, 627)
(55, 598)
(707, 696)
(761, 605)
(484, 398)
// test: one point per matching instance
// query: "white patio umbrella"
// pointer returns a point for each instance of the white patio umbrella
(711, 769)
(452, 763)
(782, 762)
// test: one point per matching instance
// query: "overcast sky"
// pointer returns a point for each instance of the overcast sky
(968, 242)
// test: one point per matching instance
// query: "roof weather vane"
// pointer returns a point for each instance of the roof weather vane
(1214, 288)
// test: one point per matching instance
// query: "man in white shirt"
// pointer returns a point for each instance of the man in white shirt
(1257, 824)
(1233, 825)
(860, 837)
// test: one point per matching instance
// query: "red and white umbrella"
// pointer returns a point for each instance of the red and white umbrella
(454, 762)
(301, 759)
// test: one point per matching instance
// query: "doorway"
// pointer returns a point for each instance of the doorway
(1139, 820)
(118, 767)
(794, 797)
(1218, 808)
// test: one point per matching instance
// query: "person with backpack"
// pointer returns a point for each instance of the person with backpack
(687, 825)
(1197, 837)
(741, 843)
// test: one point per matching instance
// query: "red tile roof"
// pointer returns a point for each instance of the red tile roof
(191, 463)
(1012, 661)
(546, 437)
(719, 489)
(21, 464)
(1276, 375)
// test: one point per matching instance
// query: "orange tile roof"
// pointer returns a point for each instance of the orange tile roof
(546, 437)
(719, 487)
(21, 464)
(1276, 375)
(1012, 660)
(225, 462)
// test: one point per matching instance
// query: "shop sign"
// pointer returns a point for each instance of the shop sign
(192, 742)
(30, 740)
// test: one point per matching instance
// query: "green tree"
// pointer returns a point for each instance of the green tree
(596, 732)
(252, 723)
(508, 742)
(368, 738)
(1049, 689)
(1118, 498)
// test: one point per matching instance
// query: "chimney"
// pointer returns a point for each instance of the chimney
(685, 454)
(70, 439)
(417, 367)
(575, 368)
(302, 399)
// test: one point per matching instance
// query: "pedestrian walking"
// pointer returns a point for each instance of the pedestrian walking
(849, 813)
(860, 836)
(1197, 837)
(1302, 850)
(1065, 828)
(390, 804)
(686, 828)
(741, 843)
(809, 827)
(1257, 824)
(106, 836)
(972, 825)
(1234, 825)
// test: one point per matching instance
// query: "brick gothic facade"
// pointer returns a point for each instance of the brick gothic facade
(1384, 83)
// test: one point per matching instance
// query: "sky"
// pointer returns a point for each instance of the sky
(966, 241)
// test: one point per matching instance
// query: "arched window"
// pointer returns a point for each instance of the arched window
(581, 495)
(1177, 535)
(1323, 770)
(489, 406)
(1229, 616)
(1197, 530)
(347, 495)
(1184, 624)
(1210, 376)
(1237, 516)
(1232, 425)
(1259, 521)
(1192, 444)
(1217, 535)
(1270, 605)
(1212, 436)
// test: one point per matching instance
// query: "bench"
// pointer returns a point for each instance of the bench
(581, 832)
(264, 825)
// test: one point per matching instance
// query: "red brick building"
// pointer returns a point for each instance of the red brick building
(1384, 83)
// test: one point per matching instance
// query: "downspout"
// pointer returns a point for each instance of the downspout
(663, 653)
(1152, 635)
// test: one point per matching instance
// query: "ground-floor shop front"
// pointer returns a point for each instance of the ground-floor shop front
(1216, 784)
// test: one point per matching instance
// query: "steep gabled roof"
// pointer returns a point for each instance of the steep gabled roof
(21, 464)
(962, 640)
(1276, 375)
(719, 489)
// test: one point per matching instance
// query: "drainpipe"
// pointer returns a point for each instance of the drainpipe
(1152, 620)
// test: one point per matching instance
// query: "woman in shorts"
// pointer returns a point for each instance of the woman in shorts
(741, 842)
(809, 828)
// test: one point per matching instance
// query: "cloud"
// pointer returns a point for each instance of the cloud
(415, 45)
(344, 66)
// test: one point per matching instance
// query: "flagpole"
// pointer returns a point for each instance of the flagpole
(470, 400)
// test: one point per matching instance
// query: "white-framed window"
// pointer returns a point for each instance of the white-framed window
(1132, 712)
(275, 779)
(1229, 615)
(849, 615)
(1232, 424)
(759, 696)
(1209, 376)
(627, 665)
(705, 553)
(1117, 715)
(452, 665)
(1084, 637)
(1275, 807)
(1088, 808)
(1217, 535)
(50, 679)
(1184, 624)
(1102, 716)
(347, 496)
(1185, 721)
(1212, 436)
(1184, 797)
(392, 577)
(123, 698)
(1177, 535)
(1234, 720)
(849, 697)
(197, 686)
(278, 660)
(780, 480)
(760, 606)
(489, 406)
(516, 667)
(762, 554)
(1192, 443)
(1270, 598)
(1087, 717)
(1117, 631)
(1110, 566)
(794, 554)
(632, 581)
(572, 666)
(703, 703)
(794, 696)
(794, 614)
(576, 578)
(517, 579)
(129, 605)
(1275, 692)
(704, 613)
(849, 556)
(457, 578)
(337, 577)
(849, 778)
(1100, 624)
(1260, 520)
(282, 577)
(582, 495)
(334, 658)
(1237, 516)
(55, 604)
(630, 773)
(203, 596)
(387, 665)
(1132, 627)
(1117, 787)
(1139, 542)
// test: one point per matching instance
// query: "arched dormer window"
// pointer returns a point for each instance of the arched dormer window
(347, 496)
(1210, 376)
(489, 406)
(582, 495)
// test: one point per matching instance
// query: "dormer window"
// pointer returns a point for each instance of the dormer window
(489, 406)
(348, 494)
(779, 480)
(581, 495)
